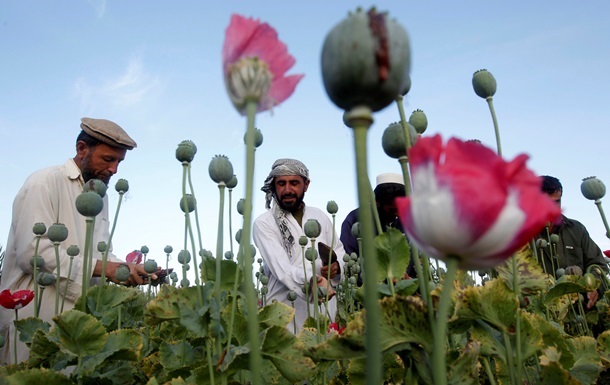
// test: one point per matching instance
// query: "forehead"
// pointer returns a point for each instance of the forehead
(288, 178)
(106, 150)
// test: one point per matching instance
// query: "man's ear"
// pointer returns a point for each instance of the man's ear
(82, 149)
(306, 185)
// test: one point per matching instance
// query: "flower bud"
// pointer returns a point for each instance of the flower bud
(121, 186)
(419, 121)
(39, 261)
(291, 296)
(174, 276)
(352, 280)
(592, 188)
(144, 249)
(241, 206)
(303, 241)
(45, 279)
(39, 228)
(311, 254)
(554, 239)
(168, 249)
(89, 204)
(312, 228)
(220, 169)
(97, 186)
(238, 236)
(394, 142)
(102, 246)
(259, 260)
(232, 183)
(356, 230)
(184, 256)
(258, 138)
(188, 203)
(184, 282)
(346, 258)
(332, 207)
(186, 151)
(58, 232)
(229, 255)
(264, 280)
(264, 290)
(150, 266)
(122, 273)
(484, 84)
(73, 250)
(354, 256)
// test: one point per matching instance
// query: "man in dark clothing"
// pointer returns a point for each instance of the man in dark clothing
(574, 245)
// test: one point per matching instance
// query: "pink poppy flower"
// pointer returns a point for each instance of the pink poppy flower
(134, 257)
(254, 64)
(468, 202)
(15, 300)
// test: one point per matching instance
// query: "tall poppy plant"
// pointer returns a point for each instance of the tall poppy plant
(15, 300)
(472, 209)
(254, 64)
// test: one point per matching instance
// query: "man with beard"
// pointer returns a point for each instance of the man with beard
(48, 196)
(276, 234)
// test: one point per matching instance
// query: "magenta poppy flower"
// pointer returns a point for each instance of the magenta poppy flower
(15, 300)
(468, 202)
(134, 257)
(254, 64)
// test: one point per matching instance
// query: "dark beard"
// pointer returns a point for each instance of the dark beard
(292, 207)
(88, 174)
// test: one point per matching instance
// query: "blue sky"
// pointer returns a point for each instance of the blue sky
(154, 67)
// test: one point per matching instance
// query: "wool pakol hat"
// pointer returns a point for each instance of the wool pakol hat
(390, 178)
(108, 132)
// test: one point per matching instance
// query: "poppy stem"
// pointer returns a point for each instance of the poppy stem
(15, 337)
(439, 354)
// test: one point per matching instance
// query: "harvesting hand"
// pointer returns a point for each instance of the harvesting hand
(334, 270)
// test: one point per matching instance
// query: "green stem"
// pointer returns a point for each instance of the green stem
(120, 316)
(306, 281)
(196, 211)
(495, 121)
(598, 203)
(86, 252)
(230, 222)
(360, 119)
(219, 240)
(256, 361)
(490, 376)
(15, 337)
(509, 358)
(36, 308)
(518, 331)
(105, 255)
(58, 280)
(373, 205)
(189, 231)
(63, 298)
(234, 305)
(405, 128)
(332, 248)
(440, 326)
(314, 289)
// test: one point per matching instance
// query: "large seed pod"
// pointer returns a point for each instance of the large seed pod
(89, 204)
(393, 140)
(366, 60)
(419, 121)
(312, 228)
(593, 188)
(220, 169)
(58, 232)
(484, 84)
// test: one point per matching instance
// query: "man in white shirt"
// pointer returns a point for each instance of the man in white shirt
(48, 196)
(276, 234)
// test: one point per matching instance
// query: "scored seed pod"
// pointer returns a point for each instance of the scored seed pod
(121, 186)
(39, 228)
(394, 142)
(188, 203)
(366, 60)
(89, 204)
(312, 228)
(592, 188)
(73, 250)
(97, 186)
(186, 151)
(220, 169)
(58, 232)
(332, 207)
(484, 84)
(419, 121)
(574, 270)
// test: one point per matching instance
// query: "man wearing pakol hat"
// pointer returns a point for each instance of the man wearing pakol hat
(276, 234)
(48, 196)
(389, 186)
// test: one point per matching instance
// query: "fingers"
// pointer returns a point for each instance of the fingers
(592, 296)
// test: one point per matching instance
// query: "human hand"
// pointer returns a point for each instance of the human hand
(137, 275)
(334, 270)
(322, 282)
(592, 296)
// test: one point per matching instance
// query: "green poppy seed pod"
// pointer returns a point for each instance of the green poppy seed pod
(592, 188)
(311, 254)
(484, 84)
(184, 256)
(121, 186)
(259, 260)
(356, 230)
(39, 228)
(291, 296)
(261, 270)
(356, 268)
(574, 270)
(393, 140)
(353, 256)
(346, 258)
(543, 243)
(188, 203)
(241, 206)
(419, 121)
(351, 263)
(102, 246)
(186, 151)
(238, 236)
(220, 169)
(184, 282)
(122, 273)
(38, 260)
(353, 280)
(58, 232)
(252, 251)
(206, 253)
(150, 266)
(366, 60)
(322, 291)
(174, 276)
(332, 207)
(229, 255)
(303, 240)
(188, 267)
(89, 204)
(97, 186)
(264, 290)
(554, 239)
(144, 249)
(168, 249)
(258, 138)
(233, 182)
(73, 250)
(560, 272)
(264, 280)
(257, 274)
(45, 279)
(312, 228)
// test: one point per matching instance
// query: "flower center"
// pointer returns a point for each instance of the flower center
(248, 79)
